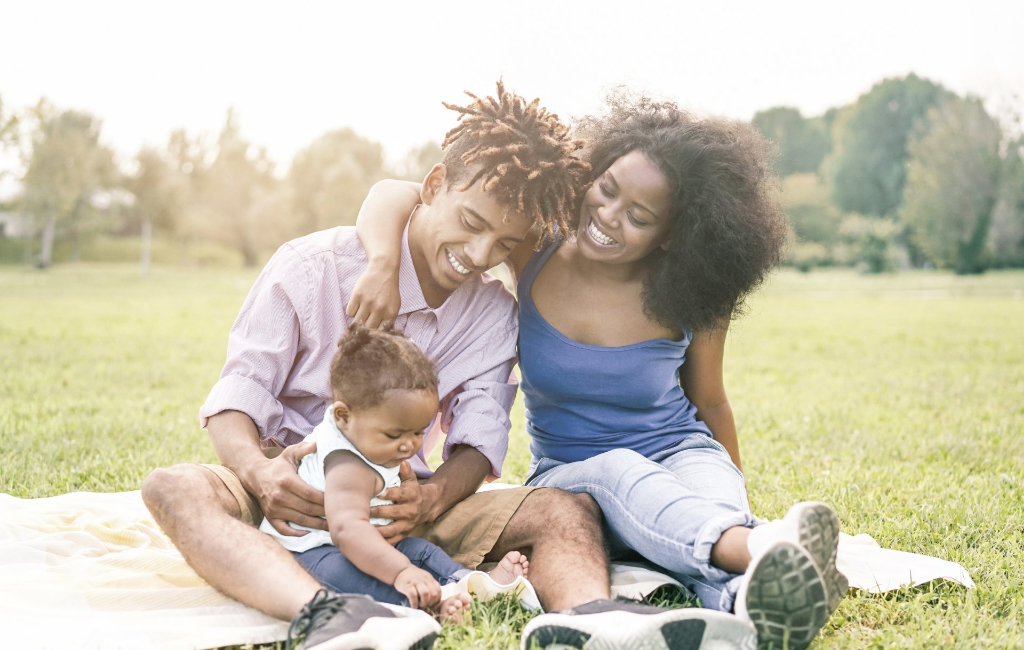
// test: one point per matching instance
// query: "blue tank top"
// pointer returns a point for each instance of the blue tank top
(582, 400)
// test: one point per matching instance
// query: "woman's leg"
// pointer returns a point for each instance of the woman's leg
(653, 512)
(704, 467)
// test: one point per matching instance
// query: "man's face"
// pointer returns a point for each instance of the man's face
(456, 235)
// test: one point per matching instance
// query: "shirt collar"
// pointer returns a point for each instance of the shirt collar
(408, 283)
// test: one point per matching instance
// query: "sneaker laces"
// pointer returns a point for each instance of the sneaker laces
(313, 614)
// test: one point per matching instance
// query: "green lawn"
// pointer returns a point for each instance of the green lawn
(897, 399)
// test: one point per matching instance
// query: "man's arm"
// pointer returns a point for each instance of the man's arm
(243, 406)
(275, 483)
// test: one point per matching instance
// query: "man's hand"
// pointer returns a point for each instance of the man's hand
(283, 496)
(419, 587)
(375, 298)
(413, 504)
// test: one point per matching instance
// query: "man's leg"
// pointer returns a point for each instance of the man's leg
(561, 535)
(203, 518)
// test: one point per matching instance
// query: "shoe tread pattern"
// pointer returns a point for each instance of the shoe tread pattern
(684, 635)
(819, 534)
(786, 599)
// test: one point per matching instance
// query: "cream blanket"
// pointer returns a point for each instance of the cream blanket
(90, 571)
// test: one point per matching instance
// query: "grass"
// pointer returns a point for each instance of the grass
(897, 399)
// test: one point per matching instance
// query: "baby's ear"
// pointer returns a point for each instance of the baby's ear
(340, 412)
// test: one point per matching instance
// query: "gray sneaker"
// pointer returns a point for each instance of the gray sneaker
(628, 625)
(815, 527)
(356, 622)
(783, 595)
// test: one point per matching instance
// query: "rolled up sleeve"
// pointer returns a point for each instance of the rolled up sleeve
(477, 413)
(262, 346)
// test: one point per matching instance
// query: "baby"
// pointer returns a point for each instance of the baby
(385, 393)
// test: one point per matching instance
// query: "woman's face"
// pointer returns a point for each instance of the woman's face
(626, 213)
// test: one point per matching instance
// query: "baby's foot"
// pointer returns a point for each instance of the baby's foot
(452, 609)
(513, 565)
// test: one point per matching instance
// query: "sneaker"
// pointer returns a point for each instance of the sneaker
(815, 527)
(783, 596)
(615, 625)
(356, 622)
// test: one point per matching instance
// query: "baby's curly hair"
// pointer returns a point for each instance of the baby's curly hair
(728, 227)
(369, 363)
(520, 151)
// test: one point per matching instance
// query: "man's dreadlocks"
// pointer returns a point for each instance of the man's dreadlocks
(521, 151)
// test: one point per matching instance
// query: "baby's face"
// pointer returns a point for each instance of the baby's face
(393, 430)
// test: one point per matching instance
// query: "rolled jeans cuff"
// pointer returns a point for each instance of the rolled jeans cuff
(709, 535)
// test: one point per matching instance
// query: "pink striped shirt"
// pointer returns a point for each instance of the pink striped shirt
(280, 347)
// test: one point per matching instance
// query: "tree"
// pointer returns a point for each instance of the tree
(159, 199)
(68, 170)
(235, 196)
(953, 181)
(330, 178)
(9, 135)
(1006, 235)
(813, 216)
(867, 166)
(802, 143)
(419, 160)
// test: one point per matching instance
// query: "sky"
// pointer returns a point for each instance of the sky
(296, 70)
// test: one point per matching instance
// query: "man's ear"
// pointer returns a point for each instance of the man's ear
(340, 413)
(433, 183)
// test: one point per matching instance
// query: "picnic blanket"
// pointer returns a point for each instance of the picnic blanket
(91, 571)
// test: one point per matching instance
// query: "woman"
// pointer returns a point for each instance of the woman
(622, 336)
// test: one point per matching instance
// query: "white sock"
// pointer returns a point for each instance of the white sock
(763, 536)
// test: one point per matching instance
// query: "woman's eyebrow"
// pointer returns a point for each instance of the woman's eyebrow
(611, 176)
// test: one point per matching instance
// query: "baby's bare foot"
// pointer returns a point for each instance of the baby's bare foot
(513, 565)
(452, 609)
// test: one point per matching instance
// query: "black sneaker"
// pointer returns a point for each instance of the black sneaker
(356, 622)
(625, 625)
(784, 596)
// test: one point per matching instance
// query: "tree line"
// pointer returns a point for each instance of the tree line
(193, 191)
(910, 174)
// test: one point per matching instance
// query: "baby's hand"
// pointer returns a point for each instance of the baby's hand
(419, 587)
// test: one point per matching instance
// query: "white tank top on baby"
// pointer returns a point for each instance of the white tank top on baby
(329, 438)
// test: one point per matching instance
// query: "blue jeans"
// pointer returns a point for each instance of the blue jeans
(333, 570)
(670, 508)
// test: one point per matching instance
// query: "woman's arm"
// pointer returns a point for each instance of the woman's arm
(380, 224)
(701, 379)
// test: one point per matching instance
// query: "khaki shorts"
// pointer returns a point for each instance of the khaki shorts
(467, 532)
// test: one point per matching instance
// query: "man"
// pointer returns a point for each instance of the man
(504, 164)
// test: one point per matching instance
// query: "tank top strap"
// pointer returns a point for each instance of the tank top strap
(533, 267)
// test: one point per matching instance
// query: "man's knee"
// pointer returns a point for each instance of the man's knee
(549, 508)
(168, 488)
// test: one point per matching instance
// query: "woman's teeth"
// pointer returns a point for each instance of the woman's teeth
(455, 264)
(599, 236)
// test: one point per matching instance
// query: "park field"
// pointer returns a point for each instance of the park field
(897, 399)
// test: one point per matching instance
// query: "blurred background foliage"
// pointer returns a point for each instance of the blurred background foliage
(909, 175)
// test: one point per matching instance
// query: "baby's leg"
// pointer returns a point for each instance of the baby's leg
(513, 565)
(333, 570)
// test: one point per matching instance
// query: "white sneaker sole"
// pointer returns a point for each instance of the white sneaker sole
(783, 595)
(678, 629)
(817, 528)
(380, 633)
